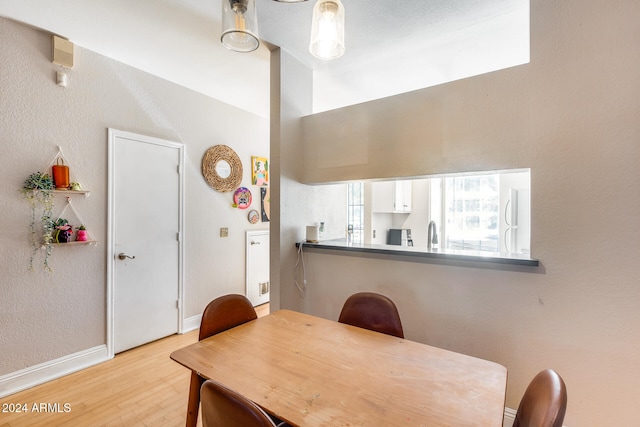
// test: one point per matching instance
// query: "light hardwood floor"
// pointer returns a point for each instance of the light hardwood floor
(139, 387)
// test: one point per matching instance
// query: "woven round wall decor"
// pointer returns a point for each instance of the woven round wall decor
(217, 158)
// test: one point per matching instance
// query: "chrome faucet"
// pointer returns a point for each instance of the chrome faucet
(432, 235)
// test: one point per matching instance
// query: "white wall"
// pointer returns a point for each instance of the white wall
(45, 316)
(571, 115)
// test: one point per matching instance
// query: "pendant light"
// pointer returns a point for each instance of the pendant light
(239, 25)
(327, 30)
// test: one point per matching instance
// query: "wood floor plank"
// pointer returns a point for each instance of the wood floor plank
(139, 387)
(136, 387)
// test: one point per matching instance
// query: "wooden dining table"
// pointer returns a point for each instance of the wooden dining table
(310, 371)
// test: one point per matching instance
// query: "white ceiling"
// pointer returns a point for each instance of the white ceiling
(392, 46)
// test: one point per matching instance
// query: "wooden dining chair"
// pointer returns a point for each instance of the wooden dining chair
(222, 313)
(372, 311)
(223, 407)
(544, 403)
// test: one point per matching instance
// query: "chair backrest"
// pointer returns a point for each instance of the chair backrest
(224, 313)
(223, 407)
(372, 311)
(544, 402)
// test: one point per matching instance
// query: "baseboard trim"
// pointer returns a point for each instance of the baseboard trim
(47, 371)
(191, 323)
(509, 417)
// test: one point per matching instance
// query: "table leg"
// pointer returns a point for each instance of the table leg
(194, 399)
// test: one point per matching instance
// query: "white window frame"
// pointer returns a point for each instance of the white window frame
(355, 234)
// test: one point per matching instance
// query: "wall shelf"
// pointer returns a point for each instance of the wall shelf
(69, 194)
(75, 242)
(85, 192)
(46, 199)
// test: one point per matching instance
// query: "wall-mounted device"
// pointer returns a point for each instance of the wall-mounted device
(62, 52)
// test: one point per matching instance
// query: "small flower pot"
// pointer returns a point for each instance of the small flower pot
(62, 236)
(82, 236)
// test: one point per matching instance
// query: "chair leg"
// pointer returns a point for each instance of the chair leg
(194, 399)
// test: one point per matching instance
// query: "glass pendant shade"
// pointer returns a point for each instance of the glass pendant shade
(327, 30)
(239, 25)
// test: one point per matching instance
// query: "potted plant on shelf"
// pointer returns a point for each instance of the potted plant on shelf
(38, 190)
(82, 235)
(62, 231)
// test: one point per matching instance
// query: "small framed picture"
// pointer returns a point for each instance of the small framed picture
(265, 204)
(260, 171)
(253, 216)
(242, 198)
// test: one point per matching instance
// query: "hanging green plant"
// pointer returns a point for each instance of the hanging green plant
(38, 190)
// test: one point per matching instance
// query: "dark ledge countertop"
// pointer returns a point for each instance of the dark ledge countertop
(440, 254)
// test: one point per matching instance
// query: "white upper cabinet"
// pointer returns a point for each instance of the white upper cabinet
(391, 197)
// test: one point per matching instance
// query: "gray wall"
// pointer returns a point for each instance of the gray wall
(44, 316)
(295, 205)
(571, 115)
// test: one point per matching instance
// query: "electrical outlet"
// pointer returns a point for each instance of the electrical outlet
(224, 232)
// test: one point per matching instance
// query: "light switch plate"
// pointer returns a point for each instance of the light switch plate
(224, 232)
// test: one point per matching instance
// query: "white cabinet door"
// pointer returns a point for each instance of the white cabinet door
(391, 197)
(402, 196)
(382, 196)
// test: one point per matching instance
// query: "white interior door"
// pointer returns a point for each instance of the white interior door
(145, 238)
(257, 277)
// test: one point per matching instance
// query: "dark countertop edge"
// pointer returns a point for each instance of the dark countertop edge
(381, 250)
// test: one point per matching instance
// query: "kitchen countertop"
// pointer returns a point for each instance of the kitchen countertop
(414, 251)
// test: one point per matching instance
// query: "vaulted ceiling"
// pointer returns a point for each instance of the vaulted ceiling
(392, 46)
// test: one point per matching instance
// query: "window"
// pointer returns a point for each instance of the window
(471, 212)
(483, 212)
(355, 212)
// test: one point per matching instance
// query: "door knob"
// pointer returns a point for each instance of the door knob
(254, 243)
(124, 256)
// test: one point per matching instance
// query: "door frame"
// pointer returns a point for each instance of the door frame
(113, 134)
